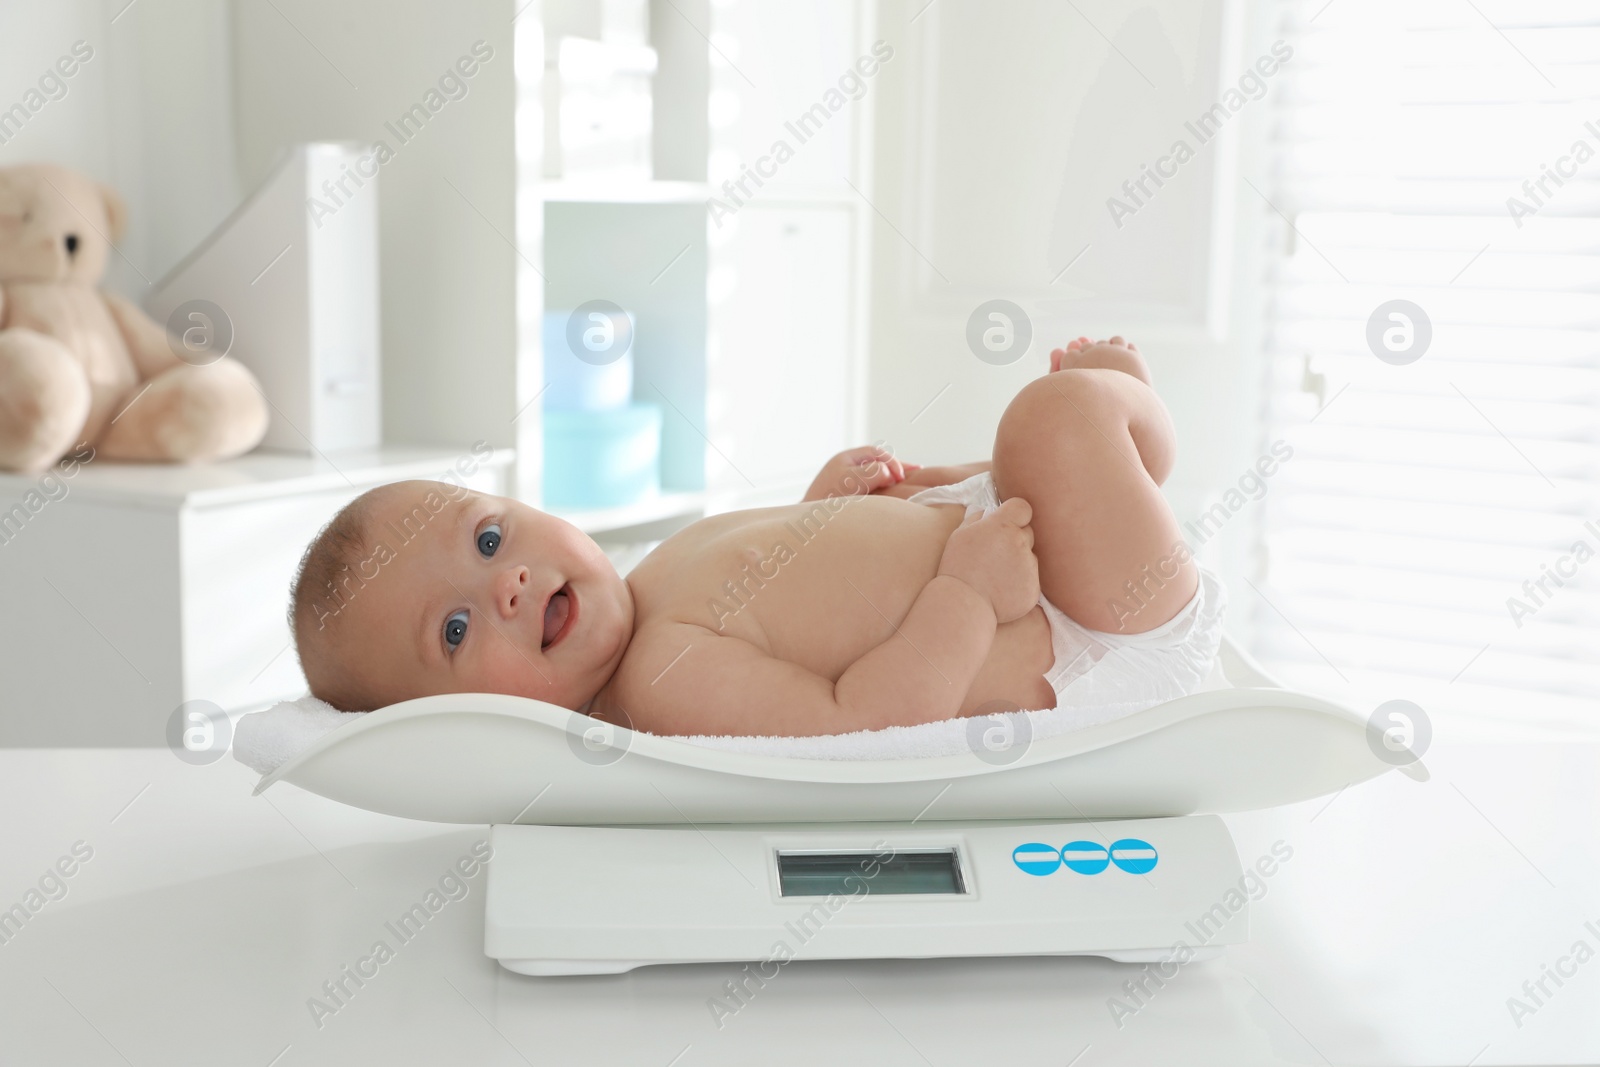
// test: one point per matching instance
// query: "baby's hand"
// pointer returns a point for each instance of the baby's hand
(994, 555)
(857, 472)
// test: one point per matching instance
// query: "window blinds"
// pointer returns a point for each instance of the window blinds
(1436, 535)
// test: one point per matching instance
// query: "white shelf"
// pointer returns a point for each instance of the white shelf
(581, 191)
(793, 331)
(774, 194)
(596, 191)
(258, 475)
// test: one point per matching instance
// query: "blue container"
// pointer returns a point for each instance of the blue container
(601, 459)
(587, 379)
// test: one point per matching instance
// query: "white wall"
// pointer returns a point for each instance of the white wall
(312, 71)
(150, 114)
(1001, 132)
(185, 103)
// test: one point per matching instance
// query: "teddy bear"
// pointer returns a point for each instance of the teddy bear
(80, 367)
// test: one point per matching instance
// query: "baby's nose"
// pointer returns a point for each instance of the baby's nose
(511, 589)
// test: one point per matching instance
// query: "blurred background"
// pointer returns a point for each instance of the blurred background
(638, 261)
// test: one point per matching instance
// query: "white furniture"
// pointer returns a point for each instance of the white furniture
(140, 587)
(751, 332)
(288, 285)
(752, 335)
(437, 90)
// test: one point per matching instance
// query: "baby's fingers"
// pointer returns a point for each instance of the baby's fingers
(1016, 511)
(877, 475)
(873, 459)
(862, 455)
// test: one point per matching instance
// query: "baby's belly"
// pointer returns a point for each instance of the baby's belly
(828, 619)
(836, 590)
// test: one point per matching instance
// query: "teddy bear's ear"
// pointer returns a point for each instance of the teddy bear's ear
(116, 212)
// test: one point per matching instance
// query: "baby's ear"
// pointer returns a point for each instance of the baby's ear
(116, 212)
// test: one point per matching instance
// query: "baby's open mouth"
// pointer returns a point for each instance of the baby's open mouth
(559, 613)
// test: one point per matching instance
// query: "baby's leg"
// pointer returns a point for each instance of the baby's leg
(1088, 448)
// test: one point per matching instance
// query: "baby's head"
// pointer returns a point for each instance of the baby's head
(419, 588)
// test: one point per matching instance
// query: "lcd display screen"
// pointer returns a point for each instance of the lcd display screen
(817, 874)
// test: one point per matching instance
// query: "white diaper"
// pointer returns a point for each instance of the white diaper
(1116, 674)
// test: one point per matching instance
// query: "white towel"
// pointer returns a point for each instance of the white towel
(1004, 735)
(265, 740)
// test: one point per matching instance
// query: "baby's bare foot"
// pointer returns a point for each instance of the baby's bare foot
(1113, 354)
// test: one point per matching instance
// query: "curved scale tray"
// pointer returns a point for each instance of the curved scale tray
(489, 758)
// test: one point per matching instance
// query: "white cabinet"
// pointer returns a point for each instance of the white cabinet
(750, 331)
(129, 589)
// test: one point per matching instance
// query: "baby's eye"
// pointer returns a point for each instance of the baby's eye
(455, 629)
(488, 540)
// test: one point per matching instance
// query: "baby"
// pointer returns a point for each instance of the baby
(892, 595)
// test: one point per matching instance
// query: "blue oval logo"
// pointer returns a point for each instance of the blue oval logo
(1085, 857)
(1134, 856)
(1035, 858)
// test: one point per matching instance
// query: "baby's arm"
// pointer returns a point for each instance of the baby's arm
(857, 472)
(921, 673)
(927, 477)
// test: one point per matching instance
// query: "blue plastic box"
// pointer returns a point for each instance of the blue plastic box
(602, 459)
(584, 383)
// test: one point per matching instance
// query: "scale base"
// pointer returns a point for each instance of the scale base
(601, 900)
(538, 968)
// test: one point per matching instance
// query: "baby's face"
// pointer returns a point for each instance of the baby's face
(481, 594)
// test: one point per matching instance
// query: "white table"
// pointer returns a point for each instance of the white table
(206, 919)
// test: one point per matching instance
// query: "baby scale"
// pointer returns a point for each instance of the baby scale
(615, 850)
